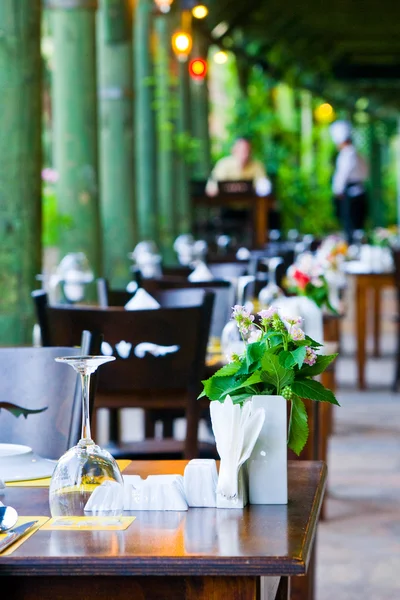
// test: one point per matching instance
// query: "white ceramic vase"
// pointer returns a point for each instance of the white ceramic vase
(267, 465)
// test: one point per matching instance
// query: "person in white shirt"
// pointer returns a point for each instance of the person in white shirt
(348, 184)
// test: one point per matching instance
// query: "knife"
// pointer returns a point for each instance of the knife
(15, 534)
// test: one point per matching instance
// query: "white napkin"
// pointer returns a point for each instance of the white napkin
(236, 430)
(106, 498)
(142, 301)
(200, 482)
(157, 492)
(201, 273)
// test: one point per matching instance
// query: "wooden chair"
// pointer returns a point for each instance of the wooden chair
(224, 292)
(32, 379)
(147, 378)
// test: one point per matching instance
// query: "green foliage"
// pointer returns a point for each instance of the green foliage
(278, 364)
(305, 200)
(53, 222)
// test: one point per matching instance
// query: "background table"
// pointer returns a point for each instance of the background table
(368, 286)
(196, 555)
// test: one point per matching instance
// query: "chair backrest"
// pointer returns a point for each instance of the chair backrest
(167, 298)
(224, 292)
(155, 349)
(32, 379)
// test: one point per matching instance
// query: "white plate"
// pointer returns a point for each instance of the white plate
(20, 463)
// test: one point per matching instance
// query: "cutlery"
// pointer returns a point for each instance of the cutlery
(8, 517)
(15, 534)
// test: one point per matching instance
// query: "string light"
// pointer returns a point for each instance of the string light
(181, 44)
(324, 113)
(164, 6)
(200, 11)
(220, 57)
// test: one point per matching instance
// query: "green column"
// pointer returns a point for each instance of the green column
(199, 114)
(375, 177)
(145, 156)
(183, 202)
(117, 206)
(20, 156)
(75, 124)
(306, 125)
(164, 131)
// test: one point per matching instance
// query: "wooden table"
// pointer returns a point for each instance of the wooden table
(201, 554)
(368, 286)
(259, 206)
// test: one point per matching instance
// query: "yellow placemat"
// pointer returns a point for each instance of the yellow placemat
(45, 482)
(21, 520)
(89, 523)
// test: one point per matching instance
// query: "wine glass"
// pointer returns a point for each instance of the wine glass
(271, 291)
(87, 480)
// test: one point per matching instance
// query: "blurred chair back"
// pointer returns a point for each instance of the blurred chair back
(160, 355)
(32, 379)
(224, 293)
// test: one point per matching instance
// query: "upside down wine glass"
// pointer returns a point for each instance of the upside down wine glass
(87, 480)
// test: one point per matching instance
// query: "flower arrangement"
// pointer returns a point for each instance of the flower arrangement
(279, 359)
(332, 252)
(385, 237)
(306, 277)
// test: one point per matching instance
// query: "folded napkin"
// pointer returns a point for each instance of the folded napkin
(107, 498)
(201, 273)
(200, 482)
(142, 301)
(236, 430)
(157, 492)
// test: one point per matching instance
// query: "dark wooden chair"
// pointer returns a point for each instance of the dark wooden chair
(224, 292)
(32, 379)
(161, 382)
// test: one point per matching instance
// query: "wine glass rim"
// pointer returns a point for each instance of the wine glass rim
(84, 357)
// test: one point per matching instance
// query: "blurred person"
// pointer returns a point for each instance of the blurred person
(239, 166)
(348, 184)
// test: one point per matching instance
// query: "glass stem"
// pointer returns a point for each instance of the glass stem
(85, 380)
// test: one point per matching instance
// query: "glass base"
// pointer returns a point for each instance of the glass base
(86, 482)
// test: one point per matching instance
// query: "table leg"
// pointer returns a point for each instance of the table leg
(151, 588)
(361, 324)
(260, 224)
(377, 319)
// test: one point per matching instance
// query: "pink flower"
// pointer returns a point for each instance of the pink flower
(268, 313)
(311, 357)
(293, 320)
(243, 318)
(49, 175)
(296, 333)
(255, 335)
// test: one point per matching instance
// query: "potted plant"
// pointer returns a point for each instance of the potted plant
(278, 365)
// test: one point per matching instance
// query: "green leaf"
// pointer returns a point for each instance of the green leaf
(295, 357)
(254, 353)
(240, 398)
(313, 390)
(298, 426)
(323, 361)
(215, 387)
(230, 369)
(274, 373)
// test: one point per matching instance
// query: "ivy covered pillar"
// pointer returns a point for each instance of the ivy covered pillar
(20, 155)
(375, 175)
(199, 114)
(75, 125)
(115, 89)
(306, 140)
(183, 200)
(144, 121)
(165, 132)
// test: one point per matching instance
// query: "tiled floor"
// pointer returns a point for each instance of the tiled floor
(358, 555)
